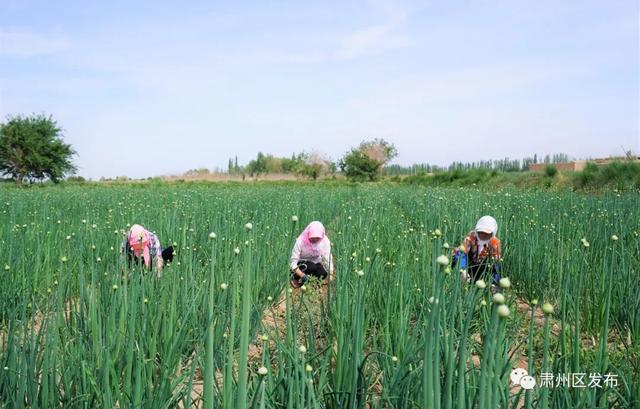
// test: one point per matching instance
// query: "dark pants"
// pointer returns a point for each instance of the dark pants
(309, 269)
(483, 271)
(167, 256)
(478, 271)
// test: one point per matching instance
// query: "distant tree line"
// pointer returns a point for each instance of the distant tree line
(369, 161)
(312, 165)
(399, 170)
(362, 163)
(502, 165)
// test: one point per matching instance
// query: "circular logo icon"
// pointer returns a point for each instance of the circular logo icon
(517, 374)
(528, 382)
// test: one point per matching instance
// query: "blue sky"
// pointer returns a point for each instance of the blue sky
(147, 88)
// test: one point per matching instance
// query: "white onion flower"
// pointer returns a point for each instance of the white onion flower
(503, 311)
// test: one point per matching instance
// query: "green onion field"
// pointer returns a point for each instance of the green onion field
(397, 328)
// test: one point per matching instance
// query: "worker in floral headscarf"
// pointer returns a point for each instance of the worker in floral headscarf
(143, 246)
(480, 251)
(311, 255)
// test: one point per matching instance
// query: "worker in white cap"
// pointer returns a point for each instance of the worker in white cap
(479, 254)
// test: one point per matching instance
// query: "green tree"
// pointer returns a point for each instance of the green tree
(367, 160)
(293, 164)
(359, 167)
(313, 165)
(258, 165)
(273, 164)
(31, 148)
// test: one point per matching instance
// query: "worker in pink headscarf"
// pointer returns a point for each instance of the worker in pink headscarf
(143, 246)
(311, 255)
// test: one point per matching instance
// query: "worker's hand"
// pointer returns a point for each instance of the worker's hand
(297, 282)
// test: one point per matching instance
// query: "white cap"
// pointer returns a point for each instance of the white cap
(487, 224)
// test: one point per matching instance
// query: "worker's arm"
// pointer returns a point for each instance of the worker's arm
(295, 258)
(330, 259)
(460, 253)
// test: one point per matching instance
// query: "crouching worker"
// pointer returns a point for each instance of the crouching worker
(311, 256)
(479, 254)
(142, 246)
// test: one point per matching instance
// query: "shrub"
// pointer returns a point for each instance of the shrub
(619, 175)
(551, 171)
(76, 179)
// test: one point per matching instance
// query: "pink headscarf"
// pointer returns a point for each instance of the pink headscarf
(139, 242)
(313, 230)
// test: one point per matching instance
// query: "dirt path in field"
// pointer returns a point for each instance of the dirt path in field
(273, 325)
